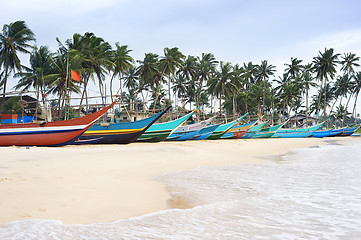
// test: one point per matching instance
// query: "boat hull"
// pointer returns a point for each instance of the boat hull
(205, 132)
(48, 133)
(321, 133)
(117, 133)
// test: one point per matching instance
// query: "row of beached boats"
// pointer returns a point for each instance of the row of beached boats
(85, 130)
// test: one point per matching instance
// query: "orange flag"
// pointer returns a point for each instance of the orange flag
(74, 75)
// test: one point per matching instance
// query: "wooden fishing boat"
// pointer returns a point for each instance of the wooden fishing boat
(321, 133)
(268, 132)
(253, 130)
(237, 132)
(48, 133)
(297, 132)
(336, 132)
(160, 131)
(117, 133)
(205, 132)
(187, 132)
(348, 131)
(222, 129)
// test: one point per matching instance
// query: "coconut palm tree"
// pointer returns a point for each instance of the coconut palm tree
(264, 71)
(293, 68)
(206, 69)
(306, 81)
(34, 77)
(356, 90)
(348, 62)
(172, 60)
(148, 73)
(250, 71)
(220, 85)
(122, 61)
(324, 65)
(15, 38)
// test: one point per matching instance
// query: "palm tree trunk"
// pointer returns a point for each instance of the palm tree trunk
(264, 94)
(319, 98)
(324, 102)
(344, 115)
(354, 106)
(306, 104)
(5, 81)
(84, 90)
(111, 87)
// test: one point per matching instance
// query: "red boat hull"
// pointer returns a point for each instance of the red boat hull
(48, 134)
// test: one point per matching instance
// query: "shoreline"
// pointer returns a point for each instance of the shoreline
(103, 183)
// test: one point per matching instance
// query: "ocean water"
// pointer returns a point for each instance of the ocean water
(312, 193)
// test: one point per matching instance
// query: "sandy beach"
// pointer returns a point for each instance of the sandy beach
(94, 183)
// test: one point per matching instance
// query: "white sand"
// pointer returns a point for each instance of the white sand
(101, 183)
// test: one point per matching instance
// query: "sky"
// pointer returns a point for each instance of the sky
(237, 31)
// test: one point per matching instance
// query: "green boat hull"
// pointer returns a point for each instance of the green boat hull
(155, 136)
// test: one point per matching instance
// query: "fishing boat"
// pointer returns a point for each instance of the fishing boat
(322, 133)
(160, 131)
(188, 132)
(237, 132)
(117, 133)
(55, 133)
(253, 130)
(336, 132)
(348, 131)
(222, 129)
(205, 132)
(268, 131)
(297, 132)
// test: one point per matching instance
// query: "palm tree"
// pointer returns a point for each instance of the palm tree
(131, 83)
(250, 71)
(348, 62)
(206, 68)
(34, 77)
(148, 73)
(14, 38)
(122, 61)
(356, 90)
(264, 71)
(58, 80)
(325, 67)
(221, 85)
(95, 55)
(343, 86)
(293, 68)
(172, 60)
(306, 80)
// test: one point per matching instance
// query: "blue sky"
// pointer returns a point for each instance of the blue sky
(235, 31)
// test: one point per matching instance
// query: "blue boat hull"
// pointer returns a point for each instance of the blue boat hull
(292, 135)
(182, 136)
(205, 132)
(117, 133)
(321, 133)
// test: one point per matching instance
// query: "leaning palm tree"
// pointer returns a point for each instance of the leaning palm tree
(14, 38)
(324, 66)
(264, 71)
